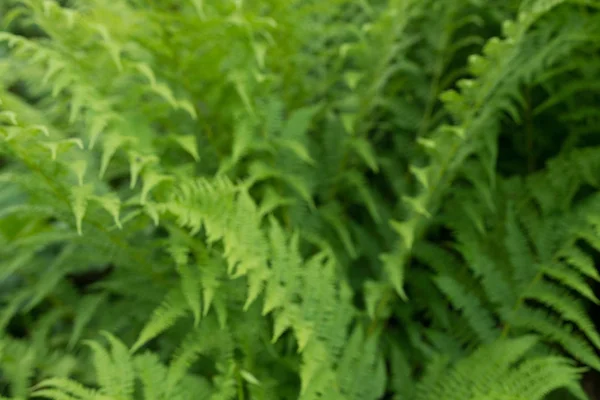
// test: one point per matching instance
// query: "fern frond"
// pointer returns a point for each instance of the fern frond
(114, 371)
(470, 306)
(474, 107)
(173, 307)
(498, 371)
(198, 342)
(152, 374)
(555, 330)
(361, 372)
(569, 308)
(59, 388)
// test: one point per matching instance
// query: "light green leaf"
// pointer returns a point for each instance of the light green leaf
(137, 162)
(394, 266)
(417, 204)
(173, 307)
(422, 175)
(151, 180)
(62, 145)
(348, 122)
(66, 387)
(406, 230)
(282, 322)
(61, 83)
(188, 143)
(79, 201)
(365, 151)
(188, 107)
(9, 117)
(76, 105)
(114, 50)
(112, 142)
(298, 148)
(455, 130)
(79, 167)
(165, 92)
(145, 70)
(240, 87)
(153, 212)
(374, 298)
(96, 126)
(199, 6)
(112, 204)
(248, 377)
(190, 287)
(54, 67)
(296, 127)
(40, 128)
(122, 369)
(428, 144)
(352, 78)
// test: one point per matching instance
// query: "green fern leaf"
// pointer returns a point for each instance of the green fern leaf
(474, 312)
(173, 307)
(569, 308)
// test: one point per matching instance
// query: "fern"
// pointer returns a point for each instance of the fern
(477, 375)
(298, 199)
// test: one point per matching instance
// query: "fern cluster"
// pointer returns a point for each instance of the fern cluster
(353, 200)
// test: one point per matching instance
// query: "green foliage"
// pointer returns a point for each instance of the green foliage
(343, 200)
